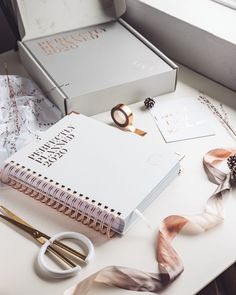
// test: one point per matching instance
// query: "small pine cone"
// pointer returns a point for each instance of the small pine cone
(231, 161)
(149, 103)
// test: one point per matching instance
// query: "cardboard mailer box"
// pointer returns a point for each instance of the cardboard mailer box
(86, 58)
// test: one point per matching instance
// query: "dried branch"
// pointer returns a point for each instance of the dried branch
(223, 118)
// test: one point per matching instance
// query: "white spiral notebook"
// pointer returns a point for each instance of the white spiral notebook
(95, 173)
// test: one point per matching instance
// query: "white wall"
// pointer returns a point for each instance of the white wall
(188, 35)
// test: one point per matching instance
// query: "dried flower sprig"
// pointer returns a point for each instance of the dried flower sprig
(12, 97)
(222, 115)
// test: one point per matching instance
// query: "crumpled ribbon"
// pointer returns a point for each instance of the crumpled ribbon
(169, 262)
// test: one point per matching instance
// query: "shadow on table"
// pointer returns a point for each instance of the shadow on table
(225, 284)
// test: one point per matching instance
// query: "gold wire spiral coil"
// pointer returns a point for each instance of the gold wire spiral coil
(78, 207)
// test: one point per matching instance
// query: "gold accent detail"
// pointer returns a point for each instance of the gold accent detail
(41, 237)
(140, 132)
(55, 204)
(128, 124)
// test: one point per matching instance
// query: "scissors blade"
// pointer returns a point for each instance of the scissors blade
(13, 216)
(24, 227)
(39, 236)
(34, 233)
(21, 223)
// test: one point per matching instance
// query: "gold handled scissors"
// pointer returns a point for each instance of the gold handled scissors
(52, 244)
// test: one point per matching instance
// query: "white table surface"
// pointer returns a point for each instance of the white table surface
(205, 256)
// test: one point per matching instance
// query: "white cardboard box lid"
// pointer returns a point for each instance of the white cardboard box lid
(39, 18)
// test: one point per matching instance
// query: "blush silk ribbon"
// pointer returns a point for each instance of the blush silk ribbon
(169, 262)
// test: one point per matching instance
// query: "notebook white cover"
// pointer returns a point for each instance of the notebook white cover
(119, 169)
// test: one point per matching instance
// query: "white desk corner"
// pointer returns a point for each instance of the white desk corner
(205, 256)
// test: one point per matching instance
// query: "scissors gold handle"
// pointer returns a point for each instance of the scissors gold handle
(50, 243)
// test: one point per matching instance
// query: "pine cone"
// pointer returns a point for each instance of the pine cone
(231, 161)
(149, 103)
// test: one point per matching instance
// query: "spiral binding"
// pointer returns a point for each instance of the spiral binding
(62, 199)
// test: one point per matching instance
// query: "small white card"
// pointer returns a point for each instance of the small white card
(182, 118)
